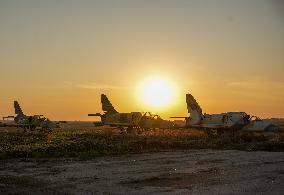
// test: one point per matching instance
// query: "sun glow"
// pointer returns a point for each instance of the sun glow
(156, 92)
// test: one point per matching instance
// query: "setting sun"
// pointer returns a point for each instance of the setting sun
(156, 91)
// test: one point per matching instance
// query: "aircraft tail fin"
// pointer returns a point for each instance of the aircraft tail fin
(18, 109)
(106, 105)
(194, 109)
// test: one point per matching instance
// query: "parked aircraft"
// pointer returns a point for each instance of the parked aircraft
(30, 122)
(143, 120)
(227, 120)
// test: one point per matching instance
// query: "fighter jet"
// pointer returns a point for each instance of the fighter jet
(142, 120)
(228, 120)
(30, 122)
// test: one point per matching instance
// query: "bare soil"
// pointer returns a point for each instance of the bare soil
(172, 172)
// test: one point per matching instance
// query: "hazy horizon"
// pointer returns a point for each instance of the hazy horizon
(58, 56)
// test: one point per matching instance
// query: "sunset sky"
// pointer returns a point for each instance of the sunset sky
(58, 56)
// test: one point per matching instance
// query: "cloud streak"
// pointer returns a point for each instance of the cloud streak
(94, 85)
(98, 86)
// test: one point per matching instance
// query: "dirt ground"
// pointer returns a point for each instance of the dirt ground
(172, 172)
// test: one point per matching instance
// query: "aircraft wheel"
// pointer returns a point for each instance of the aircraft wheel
(247, 136)
(121, 129)
(271, 128)
(130, 130)
(139, 130)
(220, 132)
(210, 133)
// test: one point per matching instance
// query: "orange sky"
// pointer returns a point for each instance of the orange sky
(57, 57)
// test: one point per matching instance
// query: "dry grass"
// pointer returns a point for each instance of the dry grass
(86, 141)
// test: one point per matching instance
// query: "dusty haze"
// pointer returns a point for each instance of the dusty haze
(57, 57)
